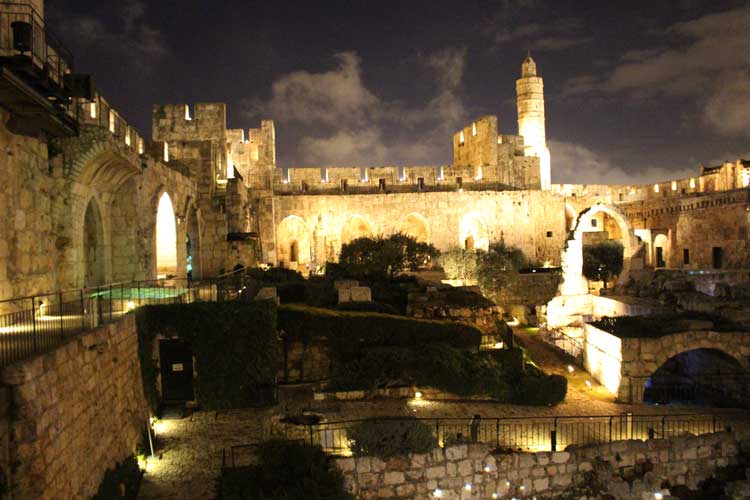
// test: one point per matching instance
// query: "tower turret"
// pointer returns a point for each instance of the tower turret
(530, 91)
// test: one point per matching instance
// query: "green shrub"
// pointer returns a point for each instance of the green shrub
(368, 307)
(274, 275)
(125, 477)
(350, 331)
(285, 471)
(541, 390)
(381, 256)
(291, 292)
(388, 438)
(235, 344)
(321, 293)
(602, 261)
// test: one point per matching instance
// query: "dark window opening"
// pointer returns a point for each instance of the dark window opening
(594, 222)
(459, 182)
(469, 243)
(305, 187)
(686, 256)
(717, 257)
(420, 183)
(549, 234)
(294, 252)
(381, 184)
(344, 184)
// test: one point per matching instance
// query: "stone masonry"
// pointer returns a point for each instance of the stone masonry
(472, 471)
(76, 412)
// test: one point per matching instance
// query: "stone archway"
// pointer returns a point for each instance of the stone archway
(194, 266)
(473, 232)
(416, 226)
(642, 357)
(294, 243)
(573, 282)
(570, 217)
(166, 238)
(661, 251)
(355, 227)
(94, 268)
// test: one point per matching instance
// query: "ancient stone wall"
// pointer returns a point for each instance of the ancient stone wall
(472, 471)
(76, 411)
(528, 219)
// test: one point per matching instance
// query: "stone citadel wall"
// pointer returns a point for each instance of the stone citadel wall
(76, 412)
(317, 225)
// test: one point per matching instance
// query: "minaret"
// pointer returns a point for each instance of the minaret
(530, 91)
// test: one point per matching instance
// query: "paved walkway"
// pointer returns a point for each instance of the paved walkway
(190, 452)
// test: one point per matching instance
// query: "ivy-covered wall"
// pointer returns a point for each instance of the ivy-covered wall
(235, 345)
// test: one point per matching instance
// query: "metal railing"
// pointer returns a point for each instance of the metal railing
(542, 433)
(564, 342)
(47, 52)
(38, 323)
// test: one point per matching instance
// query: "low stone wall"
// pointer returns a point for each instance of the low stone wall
(472, 471)
(76, 412)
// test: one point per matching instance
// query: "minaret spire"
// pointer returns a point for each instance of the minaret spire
(531, 121)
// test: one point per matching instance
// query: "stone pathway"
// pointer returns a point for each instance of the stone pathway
(190, 452)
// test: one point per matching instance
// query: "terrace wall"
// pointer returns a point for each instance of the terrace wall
(75, 412)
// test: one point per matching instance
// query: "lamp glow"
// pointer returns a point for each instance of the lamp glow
(467, 486)
(418, 395)
(438, 493)
(571, 369)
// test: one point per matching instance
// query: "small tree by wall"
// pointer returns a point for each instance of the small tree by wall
(603, 261)
(493, 270)
(385, 256)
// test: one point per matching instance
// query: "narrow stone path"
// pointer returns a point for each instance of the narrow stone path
(190, 452)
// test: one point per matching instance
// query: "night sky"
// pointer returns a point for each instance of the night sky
(635, 91)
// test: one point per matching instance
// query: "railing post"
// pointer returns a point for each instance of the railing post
(610, 428)
(110, 302)
(553, 435)
(437, 430)
(310, 426)
(33, 323)
(60, 310)
(663, 427)
(139, 294)
(122, 299)
(713, 422)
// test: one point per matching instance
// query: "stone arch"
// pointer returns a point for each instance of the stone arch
(294, 243)
(416, 226)
(105, 163)
(193, 242)
(93, 255)
(574, 283)
(355, 227)
(473, 232)
(165, 237)
(662, 250)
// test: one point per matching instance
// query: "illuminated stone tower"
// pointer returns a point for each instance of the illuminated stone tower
(530, 91)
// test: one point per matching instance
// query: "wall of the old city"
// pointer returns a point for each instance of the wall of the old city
(531, 220)
(76, 412)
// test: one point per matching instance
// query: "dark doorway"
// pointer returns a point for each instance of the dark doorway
(717, 257)
(659, 257)
(176, 359)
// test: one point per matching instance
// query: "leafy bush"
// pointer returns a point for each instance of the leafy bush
(126, 474)
(321, 293)
(385, 256)
(388, 438)
(368, 306)
(541, 390)
(291, 292)
(493, 270)
(285, 471)
(274, 275)
(235, 344)
(349, 331)
(459, 264)
(603, 261)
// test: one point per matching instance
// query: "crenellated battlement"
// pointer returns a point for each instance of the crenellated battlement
(176, 122)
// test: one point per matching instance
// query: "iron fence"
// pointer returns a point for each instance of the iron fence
(47, 53)
(541, 433)
(38, 323)
(564, 342)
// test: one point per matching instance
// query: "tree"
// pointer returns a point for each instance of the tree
(459, 264)
(382, 256)
(603, 261)
(498, 268)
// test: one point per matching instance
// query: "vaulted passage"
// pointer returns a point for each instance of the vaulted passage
(707, 377)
